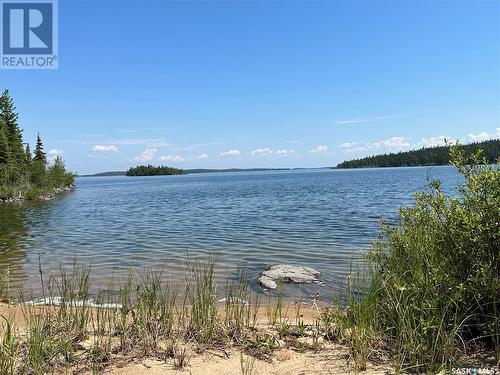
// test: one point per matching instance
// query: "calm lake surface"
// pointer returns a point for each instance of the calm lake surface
(319, 218)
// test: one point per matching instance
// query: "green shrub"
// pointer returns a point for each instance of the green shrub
(435, 287)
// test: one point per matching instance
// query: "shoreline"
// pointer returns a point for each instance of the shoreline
(48, 196)
(146, 327)
(290, 354)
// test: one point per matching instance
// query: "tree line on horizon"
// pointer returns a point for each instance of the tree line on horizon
(427, 156)
(151, 170)
(23, 174)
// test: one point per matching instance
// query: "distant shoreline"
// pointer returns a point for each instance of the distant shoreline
(194, 171)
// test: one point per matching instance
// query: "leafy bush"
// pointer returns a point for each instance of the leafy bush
(435, 288)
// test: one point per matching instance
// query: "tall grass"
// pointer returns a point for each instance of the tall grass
(241, 306)
(202, 296)
(153, 314)
(8, 349)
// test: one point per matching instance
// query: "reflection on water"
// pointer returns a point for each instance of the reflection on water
(13, 231)
(318, 218)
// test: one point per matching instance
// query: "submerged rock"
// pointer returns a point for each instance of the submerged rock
(288, 273)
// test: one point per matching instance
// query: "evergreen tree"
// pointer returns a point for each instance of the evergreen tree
(29, 157)
(14, 133)
(39, 164)
(4, 144)
(21, 174)
(39, 154)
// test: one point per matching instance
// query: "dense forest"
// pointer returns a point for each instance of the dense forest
(23, 174)
(151, 170)
(425, 156)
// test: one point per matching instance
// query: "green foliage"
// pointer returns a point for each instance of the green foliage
(435, 288)
(57, 175)
(39, 153)
(426, 156)
(8, 349)
(4, 143)
(21, 175)
(151, 170)
(13, 131)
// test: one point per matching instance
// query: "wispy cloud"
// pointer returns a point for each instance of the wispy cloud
(147, 155)
(150, 142)
(138, 130)
(285, 152)
(266, 151)
(262, 151)
(320, 149)
(197, 146)
(202, 157)
(172, 158)
(105, 148)
(372, 119)
(233, 152)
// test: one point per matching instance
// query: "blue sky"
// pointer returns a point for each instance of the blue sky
(219, 84)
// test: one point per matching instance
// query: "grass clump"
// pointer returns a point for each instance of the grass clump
(201, 293)
(8, 349)
(153, 313)
(435, 281)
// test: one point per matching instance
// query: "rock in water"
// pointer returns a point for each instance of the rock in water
(288, 273)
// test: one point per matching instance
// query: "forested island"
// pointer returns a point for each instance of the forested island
(24, 175)
(151, 170)
(426, 156)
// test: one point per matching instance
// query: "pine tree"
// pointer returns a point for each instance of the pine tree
(13, 132)
(29, 157)
(39, 154)
(4, 144)
(38, 175)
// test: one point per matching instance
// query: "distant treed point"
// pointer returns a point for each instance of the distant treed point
(24, 175)
(428, 156)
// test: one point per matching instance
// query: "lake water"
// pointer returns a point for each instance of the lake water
(319, 218)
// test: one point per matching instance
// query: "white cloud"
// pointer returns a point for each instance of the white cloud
(202, 157)
(391, 144)
(174, 158)
(320, 149)
(436, 141)
(480, 137)
(230, 153)
(285, 152)
(147, 155)
(104, 148)
(262, 151)
(55, 152)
